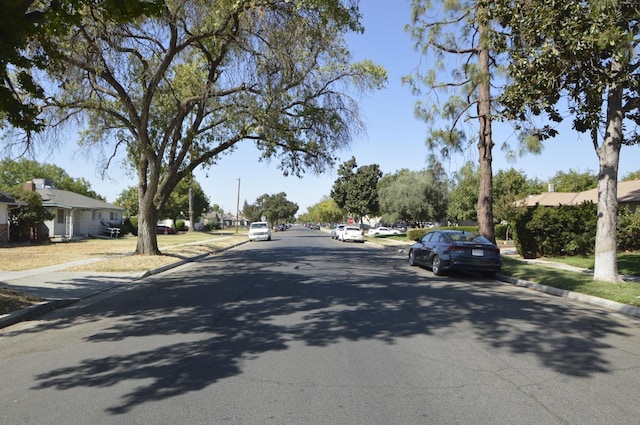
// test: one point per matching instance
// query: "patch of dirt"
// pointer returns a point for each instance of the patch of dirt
(11, 300)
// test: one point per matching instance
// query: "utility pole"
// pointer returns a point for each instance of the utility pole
(191, 224)
(238, 207)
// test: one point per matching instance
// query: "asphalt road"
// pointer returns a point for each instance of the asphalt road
(308, 330)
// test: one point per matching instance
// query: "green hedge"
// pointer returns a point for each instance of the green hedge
(628, 234)
(556, 231)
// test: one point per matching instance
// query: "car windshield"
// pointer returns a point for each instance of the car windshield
(352, 229)
(259, 225)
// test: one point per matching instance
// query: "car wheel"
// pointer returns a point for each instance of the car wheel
(269, 238)
(436, 266)
(412, 258)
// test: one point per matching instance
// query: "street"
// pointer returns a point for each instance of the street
(304, 329)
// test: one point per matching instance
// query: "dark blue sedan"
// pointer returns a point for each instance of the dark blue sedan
(445, 250)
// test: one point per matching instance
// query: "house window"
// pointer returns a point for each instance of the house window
(60, 216)
(96, 215)
(113, 216)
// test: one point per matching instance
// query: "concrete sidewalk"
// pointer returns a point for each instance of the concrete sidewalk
(59, 288)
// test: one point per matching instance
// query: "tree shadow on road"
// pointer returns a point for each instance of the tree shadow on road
(240, 305)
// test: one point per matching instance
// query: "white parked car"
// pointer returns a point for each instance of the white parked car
(259, 231)
(335, 232)
(383, 231)
(351, 233)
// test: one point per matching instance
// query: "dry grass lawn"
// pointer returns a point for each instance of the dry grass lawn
(112, 255)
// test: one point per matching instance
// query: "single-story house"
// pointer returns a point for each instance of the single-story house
(6, 202)
(75, 215)
(628, 194)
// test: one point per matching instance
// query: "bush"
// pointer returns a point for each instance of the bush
(180, 226)
(628, 232)
(501, 231)
(130, 226)
(556, 231)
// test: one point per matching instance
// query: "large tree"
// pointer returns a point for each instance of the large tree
(179, 204)
(461, 32)
(276, 208)
(180, 90)
(413, 196)
(585, 55)
(325, 211)
(356, 189)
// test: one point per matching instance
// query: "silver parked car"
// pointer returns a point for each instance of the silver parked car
(335, 232)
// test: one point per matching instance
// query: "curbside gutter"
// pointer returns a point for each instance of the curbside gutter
(613, 306)
(617, 307)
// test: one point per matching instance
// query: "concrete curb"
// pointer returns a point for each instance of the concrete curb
(37, 310)
(613, 306)
(575, 296)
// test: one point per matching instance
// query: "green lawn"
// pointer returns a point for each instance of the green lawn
(628, 263)
(626, 293)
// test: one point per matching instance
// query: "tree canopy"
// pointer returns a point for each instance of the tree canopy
(276, 208)
(410, 196)
(181, 89)
(23, 21)
(585, 55)
(17, 172)
(355, 191)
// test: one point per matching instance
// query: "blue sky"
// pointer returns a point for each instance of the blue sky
(394, 138)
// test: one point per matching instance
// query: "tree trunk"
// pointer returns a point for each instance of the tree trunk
(485, 146)
(606, 259)
(147, 221)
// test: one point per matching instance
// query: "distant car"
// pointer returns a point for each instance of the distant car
(351, 233)
(259, 231)
(445, 250)
(165, 230)
(281, 228)
(383, 231)
(335, 232)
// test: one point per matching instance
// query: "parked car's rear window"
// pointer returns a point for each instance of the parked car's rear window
(258, 225)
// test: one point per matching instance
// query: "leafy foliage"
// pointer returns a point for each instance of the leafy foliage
(463, 196)
(26, 221)
(355, 191)
(16, 173)
(325, 211)
(413, 195)
(182, 89)
(628, 235)
(563, 230)
(276, 208)
(21, 96)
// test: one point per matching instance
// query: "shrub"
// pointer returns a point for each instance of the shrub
(180, 226)
(628, 232)
(552, 231)
(130, 226)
